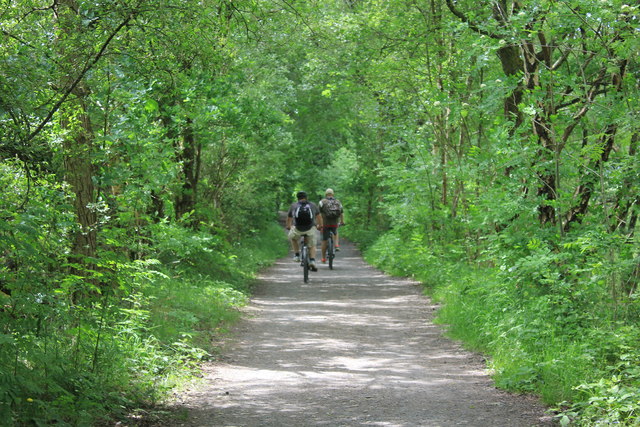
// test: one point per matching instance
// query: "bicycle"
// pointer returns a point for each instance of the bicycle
(331, 249)
(304, 257)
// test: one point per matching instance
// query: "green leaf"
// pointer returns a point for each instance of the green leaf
(151, 105)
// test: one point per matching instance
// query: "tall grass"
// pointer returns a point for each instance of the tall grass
(545, 319)
(129, 345)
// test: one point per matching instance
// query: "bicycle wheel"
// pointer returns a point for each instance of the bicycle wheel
(330, 251)
(305, 263)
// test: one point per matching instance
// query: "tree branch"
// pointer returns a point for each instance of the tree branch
(466, 20)
(79, 78)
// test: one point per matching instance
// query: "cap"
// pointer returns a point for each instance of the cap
(301, 195)
(328, 191)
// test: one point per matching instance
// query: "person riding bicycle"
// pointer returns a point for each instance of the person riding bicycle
(332, 216)
(303, 219)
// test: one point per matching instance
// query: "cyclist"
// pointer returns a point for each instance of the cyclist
(332, 216)
(304, 218)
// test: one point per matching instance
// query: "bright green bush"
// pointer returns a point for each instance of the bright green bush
(545, 315)
(134, 339)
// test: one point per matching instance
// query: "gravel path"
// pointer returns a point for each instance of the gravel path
(353, 347)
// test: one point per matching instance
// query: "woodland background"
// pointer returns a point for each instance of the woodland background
(487, 148)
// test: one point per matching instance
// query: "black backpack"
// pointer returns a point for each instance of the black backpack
(331, 209)
(303, 215)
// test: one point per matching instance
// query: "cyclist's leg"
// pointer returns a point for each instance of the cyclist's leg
(293, 238)
(311, 243)
(332, 244)
(332, 232)
(305, 258)
(323, 245)
(331, 251)
(294, 235)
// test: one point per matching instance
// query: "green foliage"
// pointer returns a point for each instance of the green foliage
(78, 364)
(519, 223)
(507, 183)
(198, 296)
(543, 334)
(174, 111)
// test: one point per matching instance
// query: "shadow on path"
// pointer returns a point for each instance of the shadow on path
(353, 347)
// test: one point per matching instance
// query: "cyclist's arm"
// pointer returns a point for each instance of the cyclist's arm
(289, 222)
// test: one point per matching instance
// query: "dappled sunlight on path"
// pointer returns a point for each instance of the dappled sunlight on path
(351, 347)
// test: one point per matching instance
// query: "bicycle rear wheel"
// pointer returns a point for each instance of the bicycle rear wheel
(305, 263)
(330, 252)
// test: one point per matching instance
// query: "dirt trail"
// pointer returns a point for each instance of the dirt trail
(353, 347)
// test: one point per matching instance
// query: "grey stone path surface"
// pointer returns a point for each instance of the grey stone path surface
(353, 347)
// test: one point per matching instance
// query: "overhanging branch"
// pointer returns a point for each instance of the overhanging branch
(79, 78)
(467, 21)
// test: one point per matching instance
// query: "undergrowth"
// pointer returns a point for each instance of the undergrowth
(129, 343)
(544, 315)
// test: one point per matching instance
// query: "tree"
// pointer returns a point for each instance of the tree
(539, 41)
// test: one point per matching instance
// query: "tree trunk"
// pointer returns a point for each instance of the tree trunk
(79, 175)
(547, 190)
(627, 201)
(511, 65)
(77, 144)
(589, 180)
(186, 155)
